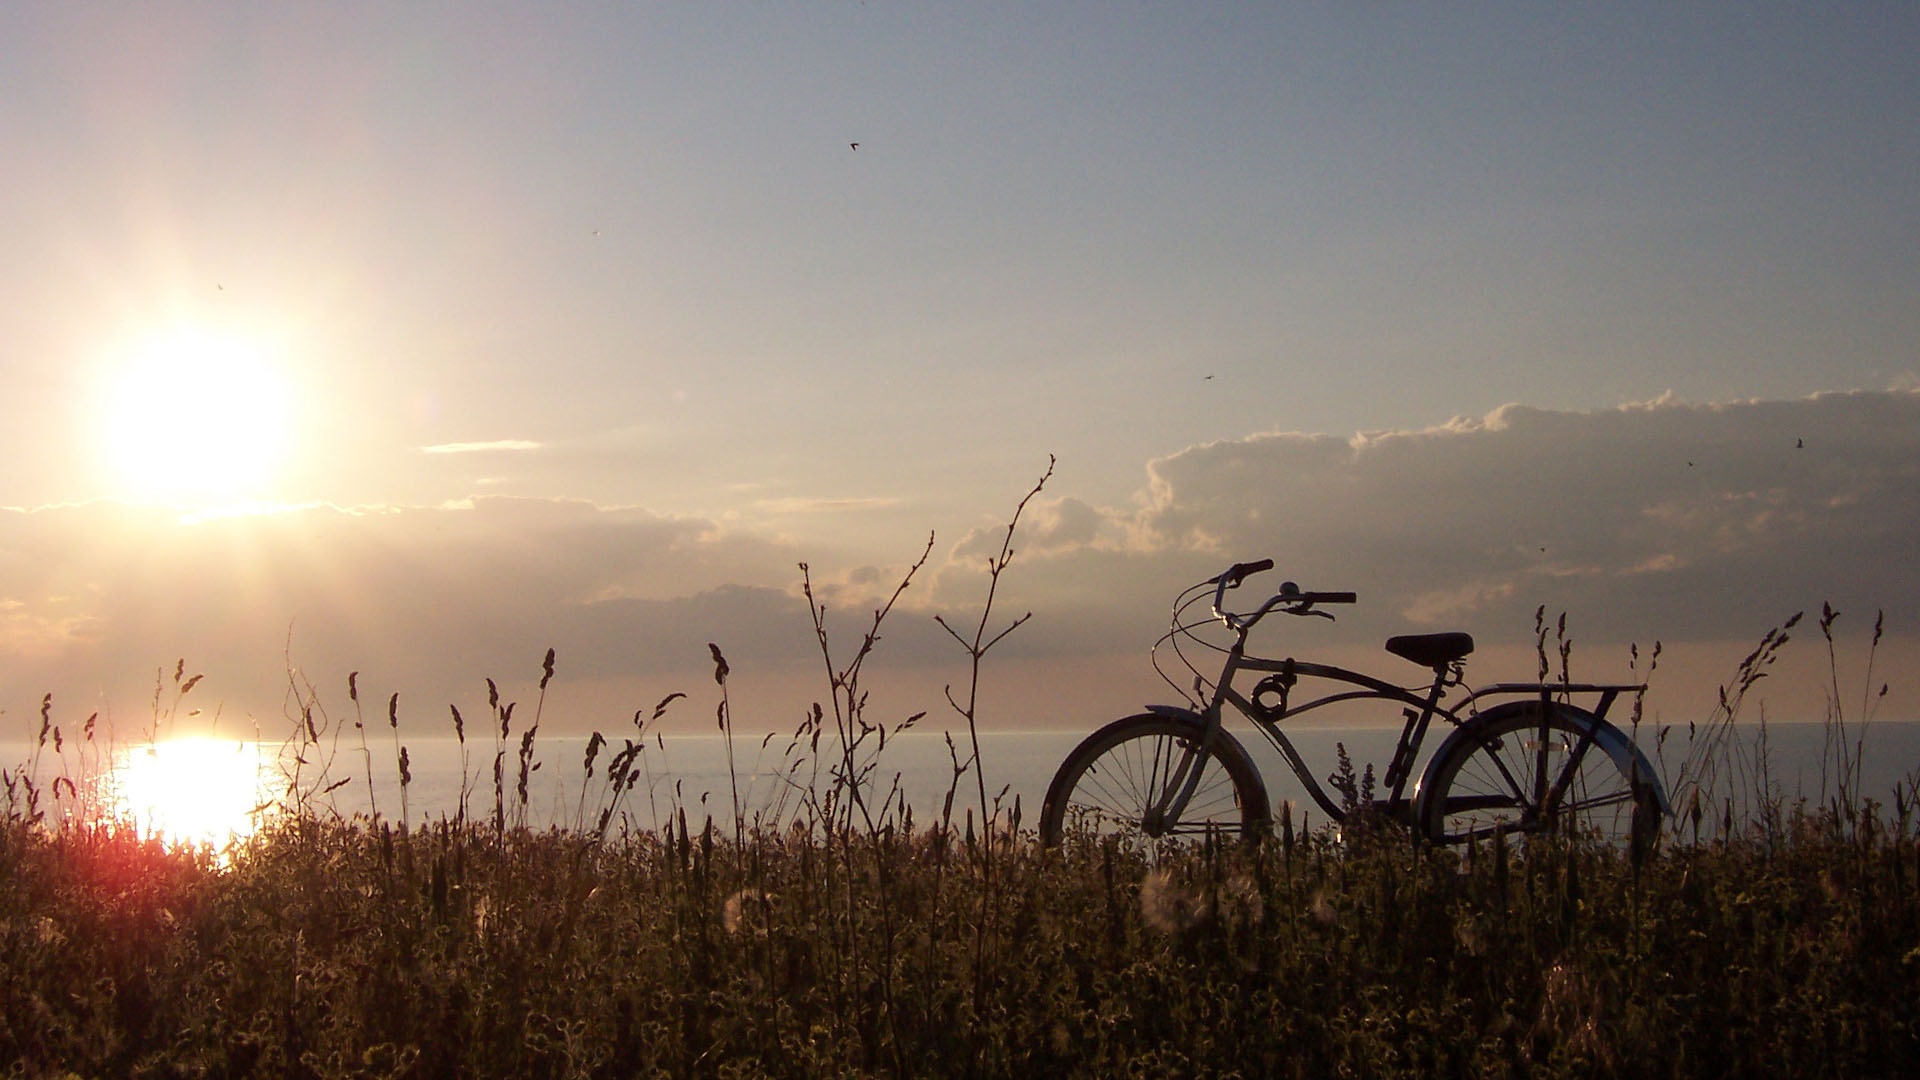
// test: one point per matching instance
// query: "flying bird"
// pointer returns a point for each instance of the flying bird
(1799, 444)
(853, 146)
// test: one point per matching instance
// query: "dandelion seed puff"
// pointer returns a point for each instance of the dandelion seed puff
(1244, 895)
(740, 906)
(1467, 934)
(1322, 909)
(1567, 1009)
(1168, 906)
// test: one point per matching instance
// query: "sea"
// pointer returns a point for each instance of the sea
(201, 787)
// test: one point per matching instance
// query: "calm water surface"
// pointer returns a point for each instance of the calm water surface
(219, 780)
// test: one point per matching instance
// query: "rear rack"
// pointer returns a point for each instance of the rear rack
(1609, 692)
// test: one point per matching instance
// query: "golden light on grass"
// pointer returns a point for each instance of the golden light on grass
(195, 417)
(191, 791)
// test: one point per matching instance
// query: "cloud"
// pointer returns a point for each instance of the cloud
(1662, 520)
(1657, 518)
(497, 445)
(1048, 526)
(428, 599)
(1697, 525)
(824, 505)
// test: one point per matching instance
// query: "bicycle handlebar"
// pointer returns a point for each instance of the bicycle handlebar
(1239, 572)
(1296, 601)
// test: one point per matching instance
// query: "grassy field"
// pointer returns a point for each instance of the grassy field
(838, 937)
(335, 949)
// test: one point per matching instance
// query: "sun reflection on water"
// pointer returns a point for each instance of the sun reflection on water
(195, 790)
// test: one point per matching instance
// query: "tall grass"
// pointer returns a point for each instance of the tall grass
(328, 948)
(817, 928)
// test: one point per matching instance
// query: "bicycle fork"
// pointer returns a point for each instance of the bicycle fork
(1183, 778)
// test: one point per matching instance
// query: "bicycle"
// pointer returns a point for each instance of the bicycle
(1533, 762)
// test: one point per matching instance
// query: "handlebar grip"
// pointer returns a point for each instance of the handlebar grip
(1334, 598)
(1241, 571)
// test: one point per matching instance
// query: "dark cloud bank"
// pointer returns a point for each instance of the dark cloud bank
(1658, 521)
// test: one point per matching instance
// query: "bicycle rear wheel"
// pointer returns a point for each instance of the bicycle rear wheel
(1506, 772)
(1112, 783)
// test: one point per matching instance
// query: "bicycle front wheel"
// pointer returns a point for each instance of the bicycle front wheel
(1505, 771)
(1118, 782)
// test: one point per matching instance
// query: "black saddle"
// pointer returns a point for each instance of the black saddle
(1431, 650)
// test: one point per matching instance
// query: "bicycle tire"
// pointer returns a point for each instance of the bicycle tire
(1490, 775)
(1105, 786)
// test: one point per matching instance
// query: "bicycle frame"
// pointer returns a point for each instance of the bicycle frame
(1420, 706)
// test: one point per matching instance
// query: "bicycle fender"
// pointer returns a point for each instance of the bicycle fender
(1607, 739)
(1175, 712)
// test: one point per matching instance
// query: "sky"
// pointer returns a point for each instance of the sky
(413, 340)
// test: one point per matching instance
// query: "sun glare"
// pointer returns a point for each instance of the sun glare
(198, 418)
(197, 791)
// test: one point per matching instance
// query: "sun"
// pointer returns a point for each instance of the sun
(192, 791)
(197, 418)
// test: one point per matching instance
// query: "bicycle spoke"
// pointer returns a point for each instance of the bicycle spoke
(1513, 784)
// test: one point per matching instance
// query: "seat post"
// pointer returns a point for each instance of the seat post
(1412, 734)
